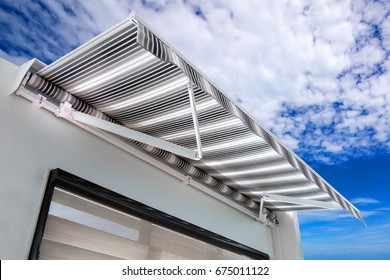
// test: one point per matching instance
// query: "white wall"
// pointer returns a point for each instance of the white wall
(33, 141)
(287, 237)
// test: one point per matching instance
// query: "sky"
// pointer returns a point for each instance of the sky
(315, 73)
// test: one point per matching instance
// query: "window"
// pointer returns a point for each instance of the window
(81, 220)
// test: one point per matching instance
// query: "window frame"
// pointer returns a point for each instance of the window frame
(79, 186)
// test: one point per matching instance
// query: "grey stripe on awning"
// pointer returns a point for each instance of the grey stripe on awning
(130, 76)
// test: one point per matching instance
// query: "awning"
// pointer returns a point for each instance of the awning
(131, 78)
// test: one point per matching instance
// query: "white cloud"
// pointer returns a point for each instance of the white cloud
(365, 200)
(374, 12)
(348, 240)
(383, 209)
(311, 216)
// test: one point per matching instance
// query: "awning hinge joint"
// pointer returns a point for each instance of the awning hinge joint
(64, 110)
(267, 219)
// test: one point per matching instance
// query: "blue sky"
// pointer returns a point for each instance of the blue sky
(316, 73)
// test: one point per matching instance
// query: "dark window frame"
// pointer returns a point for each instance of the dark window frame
(72, 183)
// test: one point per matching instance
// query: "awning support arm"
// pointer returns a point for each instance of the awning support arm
(195, 119)
(300, 201)
(66, 111)
(261, 208)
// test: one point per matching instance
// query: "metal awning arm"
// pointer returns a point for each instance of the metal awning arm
(195, 119)
(66, 111)
(301, 201)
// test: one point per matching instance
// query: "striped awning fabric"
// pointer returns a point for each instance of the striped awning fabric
(130, 76)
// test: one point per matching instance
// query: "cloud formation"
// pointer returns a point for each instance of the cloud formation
(364, 200)
(347, 240)
(306, 217)
(314, 72)
(336, 235)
